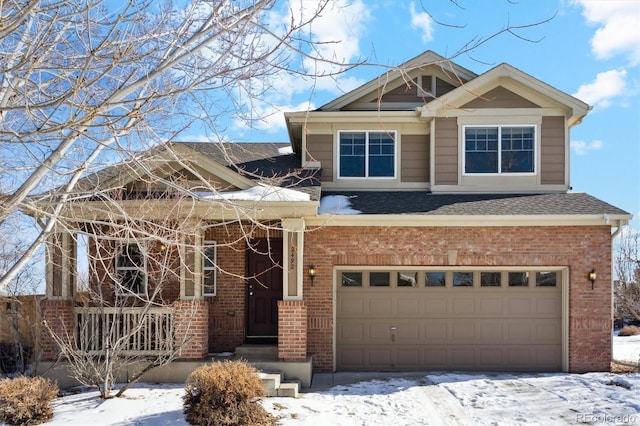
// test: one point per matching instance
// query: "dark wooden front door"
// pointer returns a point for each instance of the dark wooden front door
(264, 272)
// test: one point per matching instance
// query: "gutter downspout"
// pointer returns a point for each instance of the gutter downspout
(615, 233)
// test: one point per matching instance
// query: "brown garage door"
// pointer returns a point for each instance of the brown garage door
(453, 320)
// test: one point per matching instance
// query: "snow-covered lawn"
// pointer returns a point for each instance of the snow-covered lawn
(405, 399)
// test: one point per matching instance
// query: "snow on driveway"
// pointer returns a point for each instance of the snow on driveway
(465, 398)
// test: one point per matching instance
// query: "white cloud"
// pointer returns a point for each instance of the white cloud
(423, 22)
(336, 31)
(603, 89)
(619, 27)
(582, 147)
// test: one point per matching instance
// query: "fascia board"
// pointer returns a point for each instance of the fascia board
(466, 220)
(149, 210)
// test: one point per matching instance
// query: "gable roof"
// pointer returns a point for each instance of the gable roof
(507, 76)
(424, 59)
(241, 164)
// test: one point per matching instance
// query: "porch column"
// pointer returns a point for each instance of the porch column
(292, 310)
(191, 312)
(57, 306)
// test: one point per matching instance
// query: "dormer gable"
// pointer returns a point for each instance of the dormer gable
(404, 87)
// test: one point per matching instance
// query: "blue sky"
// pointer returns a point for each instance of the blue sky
(589, 49)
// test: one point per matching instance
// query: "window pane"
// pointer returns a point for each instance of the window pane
(517, 150)
(481, 149)
(379, 279)
(209, 282)
(132, 280)
(463, 279)
(518, 279)
(407, 279)
(434, 279)
(352, 154)
(352, 279)
(130, 257)
(546, 279)
(209, 257)
(490, 279)
(381, 157)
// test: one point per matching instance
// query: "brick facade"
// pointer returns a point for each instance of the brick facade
(191, 328)
(578, 248)
(292, 330)
(58, 315)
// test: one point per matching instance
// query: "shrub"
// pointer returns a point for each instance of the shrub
(629, 330)
(26, 400)
(225, 394)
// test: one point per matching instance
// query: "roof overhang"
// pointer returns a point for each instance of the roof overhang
(468, 220)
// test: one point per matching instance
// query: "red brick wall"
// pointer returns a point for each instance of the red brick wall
(58, 315)
(191, 328)
(578, 248)
(292, 330)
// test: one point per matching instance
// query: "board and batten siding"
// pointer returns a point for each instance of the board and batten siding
(446, 151)
(414, 166)
(552, 151)
(320, 148)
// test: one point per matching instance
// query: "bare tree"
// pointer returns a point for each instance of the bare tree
(627, 271)
(80, 80)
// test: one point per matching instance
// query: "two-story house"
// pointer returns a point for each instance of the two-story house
(424, 221)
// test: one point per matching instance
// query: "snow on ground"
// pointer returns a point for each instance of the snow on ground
(626, 348)
(403, 399)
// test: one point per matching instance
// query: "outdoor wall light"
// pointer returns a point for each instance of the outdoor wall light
(312, 273)
(592, 277)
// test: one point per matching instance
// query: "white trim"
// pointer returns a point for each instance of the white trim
(210, 244)
(366, 177)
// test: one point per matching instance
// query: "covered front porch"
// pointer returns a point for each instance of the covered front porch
(178, 316)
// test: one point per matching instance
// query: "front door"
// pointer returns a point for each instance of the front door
(264, 272)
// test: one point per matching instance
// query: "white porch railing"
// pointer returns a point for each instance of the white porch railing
(129, 331)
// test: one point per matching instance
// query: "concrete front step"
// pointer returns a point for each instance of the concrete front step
(257, 351)
(274, 385)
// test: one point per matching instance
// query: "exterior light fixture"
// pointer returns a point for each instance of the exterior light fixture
(312, 273)
(592, 277)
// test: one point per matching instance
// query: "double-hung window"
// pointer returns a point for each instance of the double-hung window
(499, 149)
(365, 154)
(131, 271)
(209, 268)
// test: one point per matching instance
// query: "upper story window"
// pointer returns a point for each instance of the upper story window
(364, 154)
(209, 268)
(131, 271)
(499, 149)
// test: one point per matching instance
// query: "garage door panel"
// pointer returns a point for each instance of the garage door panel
(409, 307)
(352, 333)
(434, 305)
(380, 307)
(471, 328)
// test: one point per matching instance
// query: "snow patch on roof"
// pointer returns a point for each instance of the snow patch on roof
(336, 204)
(260, 192)
(285, 150)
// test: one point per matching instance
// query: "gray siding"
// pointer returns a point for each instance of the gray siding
(442, 87)
(320, 148)
(415, 158)
(500, 98)
(552, 152)
(446, 151)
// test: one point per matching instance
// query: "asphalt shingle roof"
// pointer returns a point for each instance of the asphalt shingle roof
(426, 203)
